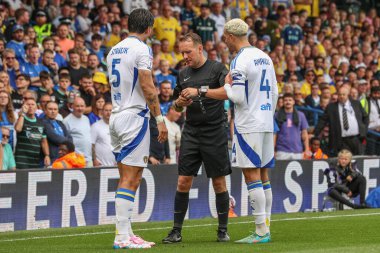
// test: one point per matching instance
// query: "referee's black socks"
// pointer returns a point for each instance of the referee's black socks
(222, 202)
(181, 203)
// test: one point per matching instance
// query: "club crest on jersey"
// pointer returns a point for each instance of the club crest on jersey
(145, 159)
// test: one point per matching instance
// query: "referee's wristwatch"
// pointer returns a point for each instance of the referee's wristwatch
(202, 91)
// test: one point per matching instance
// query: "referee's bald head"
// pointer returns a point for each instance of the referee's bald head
(236, 27)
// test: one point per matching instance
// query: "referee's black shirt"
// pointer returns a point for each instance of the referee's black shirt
(210, 74)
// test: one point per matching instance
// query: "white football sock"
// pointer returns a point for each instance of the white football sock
(257, 200)
(268, 202)
(123, 207)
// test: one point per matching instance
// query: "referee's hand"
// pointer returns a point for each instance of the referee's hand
(162, 132)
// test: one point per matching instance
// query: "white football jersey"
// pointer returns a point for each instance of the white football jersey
(123, 62)
(253, 69)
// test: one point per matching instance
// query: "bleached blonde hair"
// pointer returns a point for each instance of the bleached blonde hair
(345, 152)
(236, 27)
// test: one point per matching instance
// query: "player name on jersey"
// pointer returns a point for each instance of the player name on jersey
(122, 50)
(261, 61)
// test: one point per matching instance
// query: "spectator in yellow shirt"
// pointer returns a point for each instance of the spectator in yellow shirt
(165, 54)
(113, 38)
(243, 8)
(167, 27)
(309, 80)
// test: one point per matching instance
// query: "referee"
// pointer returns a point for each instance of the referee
(204, 137)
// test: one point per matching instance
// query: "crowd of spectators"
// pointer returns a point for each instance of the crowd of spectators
(54, 87)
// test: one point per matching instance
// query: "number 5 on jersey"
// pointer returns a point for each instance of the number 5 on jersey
(264, 83)
(116, 72)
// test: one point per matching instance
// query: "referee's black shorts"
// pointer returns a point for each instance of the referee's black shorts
(207, 144)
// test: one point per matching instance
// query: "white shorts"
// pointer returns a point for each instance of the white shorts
(130, 138)
(253, 150)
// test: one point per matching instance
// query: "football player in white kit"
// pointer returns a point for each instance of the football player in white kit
(252, 86)
(133, 96)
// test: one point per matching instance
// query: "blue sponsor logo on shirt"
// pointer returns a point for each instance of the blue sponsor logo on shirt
(117, 96)
(266, 107)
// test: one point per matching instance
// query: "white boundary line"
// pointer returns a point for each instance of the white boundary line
(189, 226)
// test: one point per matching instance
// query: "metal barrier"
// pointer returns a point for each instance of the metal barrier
(373, 143)
(315, 112)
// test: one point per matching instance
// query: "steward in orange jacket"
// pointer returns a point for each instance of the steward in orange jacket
(316, 151)
(68, 159)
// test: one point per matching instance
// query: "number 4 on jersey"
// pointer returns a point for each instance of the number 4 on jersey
(264, 83)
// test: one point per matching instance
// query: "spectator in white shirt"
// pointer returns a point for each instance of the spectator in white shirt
(101, 140)
(374, 109)
(78, 126)
(174, 133)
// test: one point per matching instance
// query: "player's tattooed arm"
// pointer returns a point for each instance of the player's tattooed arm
(150, 94)
(153, 104)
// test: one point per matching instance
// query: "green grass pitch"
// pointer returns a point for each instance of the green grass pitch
(342, 231)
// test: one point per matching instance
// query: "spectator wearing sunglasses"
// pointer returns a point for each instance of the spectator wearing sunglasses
(8, 158)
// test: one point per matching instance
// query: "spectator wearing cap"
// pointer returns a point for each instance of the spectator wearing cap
(216, 15)
(101, 85)
(82, 21)
(165, 74)
(114, 37)
(43, 28)
(22, 17)
(17, 43)
(292, 34)
(64, 41)
(360, 70)
(204, 26)
(96, 47)
(309, 80)
(167, 27)
(48, 43)
(374, 109)
(348, 123)
(33, 67)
